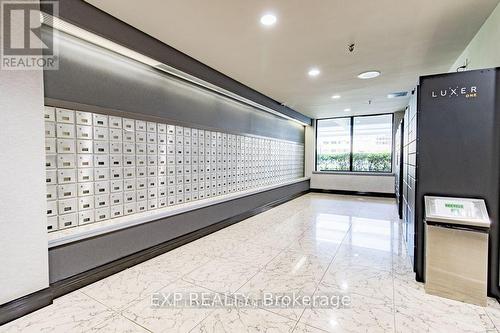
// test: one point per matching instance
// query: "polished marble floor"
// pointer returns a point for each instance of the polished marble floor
(317, 244)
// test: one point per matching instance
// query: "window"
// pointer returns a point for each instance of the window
(360, 144)
(372, 143)
(333, 144)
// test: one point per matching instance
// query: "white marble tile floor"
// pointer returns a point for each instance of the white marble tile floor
(316, 245)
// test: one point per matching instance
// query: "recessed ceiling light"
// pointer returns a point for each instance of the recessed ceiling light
(268, 19)
(369, 75)
(335, 96)
(347, 110)
(313, 72)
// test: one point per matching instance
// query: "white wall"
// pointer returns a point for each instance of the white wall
(339, 181)
(309, 150)
(358, 183)
(484, 49)
(23, 235)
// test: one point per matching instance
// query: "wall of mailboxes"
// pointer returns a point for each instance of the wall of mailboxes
(100, 167)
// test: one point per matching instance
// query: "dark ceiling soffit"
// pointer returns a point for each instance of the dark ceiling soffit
(103, 24)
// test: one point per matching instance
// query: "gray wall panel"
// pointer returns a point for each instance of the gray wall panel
(74, 258)
(94, 76)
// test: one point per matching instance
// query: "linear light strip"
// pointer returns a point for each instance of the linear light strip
(90, 37)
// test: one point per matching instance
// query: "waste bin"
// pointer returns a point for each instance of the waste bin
(456, 248)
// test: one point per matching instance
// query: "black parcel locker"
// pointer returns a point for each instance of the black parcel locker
(458, 148)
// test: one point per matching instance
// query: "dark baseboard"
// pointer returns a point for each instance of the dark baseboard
(40, 299)
(24, 305)
(366, 194)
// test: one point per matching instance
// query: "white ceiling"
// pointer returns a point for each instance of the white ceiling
(401, 38)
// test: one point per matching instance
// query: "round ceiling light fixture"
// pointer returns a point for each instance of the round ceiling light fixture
(347, 110)
(268, 19)
(369, 75)
(336, 96)
(313, 72)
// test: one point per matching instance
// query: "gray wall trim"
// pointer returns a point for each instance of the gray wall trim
(74, 258)
(24, 305)
(354, 193)
(92, 19)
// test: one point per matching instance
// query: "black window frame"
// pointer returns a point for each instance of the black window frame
(351, 122)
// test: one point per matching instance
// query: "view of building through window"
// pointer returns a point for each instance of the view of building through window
(355, 144)
(372, 143)
(334, 144)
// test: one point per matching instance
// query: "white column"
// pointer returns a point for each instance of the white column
(23, 235)
(310, 150)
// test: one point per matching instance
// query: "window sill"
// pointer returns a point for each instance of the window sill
(354, 173)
